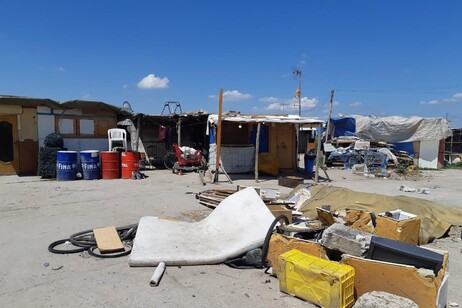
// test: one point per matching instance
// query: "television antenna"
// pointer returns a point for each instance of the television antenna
(297, 73)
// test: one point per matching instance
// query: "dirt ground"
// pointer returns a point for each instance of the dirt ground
(35, 212)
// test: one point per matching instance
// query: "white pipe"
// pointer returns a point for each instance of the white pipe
(158, 273)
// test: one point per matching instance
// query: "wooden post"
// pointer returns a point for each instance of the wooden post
(328, 121)
(178, 131)
(297, 146)
(218, 136)
(138, 131)
(257, 150)
(318, 153)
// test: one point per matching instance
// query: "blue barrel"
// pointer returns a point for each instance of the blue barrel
(90, 164)
(66, 165)
(309, 163)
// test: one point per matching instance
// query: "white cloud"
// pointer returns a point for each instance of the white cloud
(151, 81)
(456, 98)
(355, 104)
(61, 69)
(291, 104)
(125, 86)
(336, 103)
(233, 96)
(269, 99)
(307, 102)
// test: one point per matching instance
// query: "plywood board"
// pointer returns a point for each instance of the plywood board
(108, 239)
(402, 280)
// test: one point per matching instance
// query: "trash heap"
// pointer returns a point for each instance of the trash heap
(336, 257)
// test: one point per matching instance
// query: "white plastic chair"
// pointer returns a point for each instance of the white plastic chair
(118, 135)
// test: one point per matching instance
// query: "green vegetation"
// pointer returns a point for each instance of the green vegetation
(454, 166)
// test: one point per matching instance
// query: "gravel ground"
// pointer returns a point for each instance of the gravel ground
(35, 212)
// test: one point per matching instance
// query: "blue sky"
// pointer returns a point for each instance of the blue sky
(381, 57)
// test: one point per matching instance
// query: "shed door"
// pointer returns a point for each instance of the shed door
(283, 145)
(9, 159)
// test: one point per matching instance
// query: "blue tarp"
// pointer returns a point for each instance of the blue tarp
(344, 126)
(264, 134)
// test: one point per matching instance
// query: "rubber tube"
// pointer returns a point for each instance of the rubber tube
(158, 273)
(268, 237)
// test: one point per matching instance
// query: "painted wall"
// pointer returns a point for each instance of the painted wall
(45, 123)
(84, 144)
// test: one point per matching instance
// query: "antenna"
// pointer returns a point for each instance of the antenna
(297, 73)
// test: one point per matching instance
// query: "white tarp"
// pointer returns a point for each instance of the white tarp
(401, 129)
(236, 226)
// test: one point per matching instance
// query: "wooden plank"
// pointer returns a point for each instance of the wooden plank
(108, 240)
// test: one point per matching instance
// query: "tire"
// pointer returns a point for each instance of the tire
(169, 160)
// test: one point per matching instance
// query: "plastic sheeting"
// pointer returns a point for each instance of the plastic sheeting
(400, 129)
(435, 218)
(236, 226)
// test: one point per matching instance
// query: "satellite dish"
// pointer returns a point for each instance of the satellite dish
(126, 105)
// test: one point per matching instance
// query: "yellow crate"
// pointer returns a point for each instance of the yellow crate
(322, 282)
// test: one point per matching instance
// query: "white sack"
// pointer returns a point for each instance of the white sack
(236, 226)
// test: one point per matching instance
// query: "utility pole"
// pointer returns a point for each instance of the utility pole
(298, 74)
(328, 121)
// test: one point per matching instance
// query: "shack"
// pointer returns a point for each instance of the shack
(20, 136)
(153, 135)
(25, 122)
(422, 137)
(244, 137)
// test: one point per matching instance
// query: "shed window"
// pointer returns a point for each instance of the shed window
(87, 127)
(67, 126)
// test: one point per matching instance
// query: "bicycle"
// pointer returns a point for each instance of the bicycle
(170, 158)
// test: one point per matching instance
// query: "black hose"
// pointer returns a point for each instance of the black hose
(85, 240)
(268, 237)
(127, 251)
(51, 248)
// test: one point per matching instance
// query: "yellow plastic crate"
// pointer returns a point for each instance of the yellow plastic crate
(322, 282)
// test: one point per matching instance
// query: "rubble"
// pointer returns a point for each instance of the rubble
(346, 240)
(379, 299)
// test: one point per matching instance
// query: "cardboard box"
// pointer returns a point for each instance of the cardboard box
(398, 225)
(277, 210)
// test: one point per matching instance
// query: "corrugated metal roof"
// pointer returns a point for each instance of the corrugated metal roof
(235, 117)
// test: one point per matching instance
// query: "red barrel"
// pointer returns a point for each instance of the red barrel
(130, 163)
(110, 165)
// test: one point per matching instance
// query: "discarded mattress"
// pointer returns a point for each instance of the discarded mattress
(238, 225)
(435, 218)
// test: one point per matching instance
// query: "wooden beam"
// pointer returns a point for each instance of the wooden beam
(318, 154)
(257, 151)
(218, 136)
